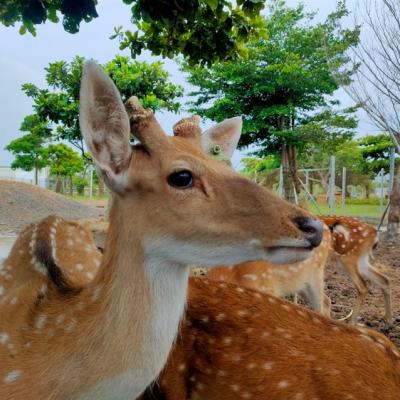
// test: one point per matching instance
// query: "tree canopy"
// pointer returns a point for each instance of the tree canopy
(203, 31)
(58, 107)
(283, 89)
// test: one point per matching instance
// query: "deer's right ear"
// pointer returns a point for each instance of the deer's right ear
(104, 125)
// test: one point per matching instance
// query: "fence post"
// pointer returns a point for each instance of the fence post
(280, 188)
(382, 176)
(344, 171)
(391, 170)
(91, 183)
(331, 193)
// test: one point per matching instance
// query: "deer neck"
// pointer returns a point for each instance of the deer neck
(144, 303)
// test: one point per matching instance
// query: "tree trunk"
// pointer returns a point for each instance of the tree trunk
(71, 187)
(290, 176)
(394, 209)
(36, 176)
(58, 185)
(100, 187)
(367, 191)
(311, 186)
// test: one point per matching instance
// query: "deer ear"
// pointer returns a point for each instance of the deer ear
(226, 135)
(104, 124)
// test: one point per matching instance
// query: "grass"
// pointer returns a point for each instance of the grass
(360, 210)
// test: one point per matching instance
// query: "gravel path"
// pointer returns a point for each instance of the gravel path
(22, 204)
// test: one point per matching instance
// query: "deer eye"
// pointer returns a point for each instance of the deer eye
(181, 179)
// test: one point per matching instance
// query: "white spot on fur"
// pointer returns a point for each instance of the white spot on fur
(235, 388)
(220, 317)
(60, 319)
(14, 300)
(4, 338)
(89, 275)
(71, 325)
(250, 277)
(283, 384)
(12, 376)
(268, 365)
(182, 367)
(40, 321)
(227, 340)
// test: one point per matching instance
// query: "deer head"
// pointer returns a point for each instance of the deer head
(188, 207)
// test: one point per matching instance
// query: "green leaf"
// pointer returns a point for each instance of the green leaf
(213, 4)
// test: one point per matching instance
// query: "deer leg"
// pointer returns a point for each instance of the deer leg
(382, 281)
(327, 306)
(362, 290)
(314, 291)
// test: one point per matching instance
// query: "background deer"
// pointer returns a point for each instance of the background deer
(173, 205)
(305, 277)
(237, 343)
(353, 241)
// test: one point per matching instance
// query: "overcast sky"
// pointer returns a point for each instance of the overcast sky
(23, 59)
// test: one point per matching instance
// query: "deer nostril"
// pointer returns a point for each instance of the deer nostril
(312, 229)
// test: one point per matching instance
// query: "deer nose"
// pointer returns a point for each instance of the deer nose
(312, 229)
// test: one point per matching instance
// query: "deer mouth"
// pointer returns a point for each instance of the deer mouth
(289, 253)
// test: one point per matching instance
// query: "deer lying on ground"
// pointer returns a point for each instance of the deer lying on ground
(237, 343)
(353, 241)
(173, 205)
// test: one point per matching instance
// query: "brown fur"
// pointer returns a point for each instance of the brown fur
(240, 344)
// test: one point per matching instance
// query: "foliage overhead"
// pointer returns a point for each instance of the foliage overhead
(58, 107)
(283, 88)
(203, 31)
(34, 12)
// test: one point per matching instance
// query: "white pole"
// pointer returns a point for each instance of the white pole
(280, 188)
(91, 183)
(331, 194)
(344, 188)
(382, 173)
(391, 170)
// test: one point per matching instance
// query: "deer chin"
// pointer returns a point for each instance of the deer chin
(288, 254)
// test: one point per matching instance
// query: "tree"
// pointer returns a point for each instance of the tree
(376, 87)
(63, 162)
(264, 171)
(59, 105)
(202, 30)
(28, 150)
(375, 150)
(281, 89)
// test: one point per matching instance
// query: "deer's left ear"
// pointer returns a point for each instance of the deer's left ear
(226, 135)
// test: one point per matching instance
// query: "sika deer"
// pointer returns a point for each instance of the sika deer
(306, 277)
(352, 242)
(173, 205)
(231, 329)
(237, 343)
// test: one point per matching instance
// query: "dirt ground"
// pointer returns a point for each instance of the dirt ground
(22, 204)
(342, 292)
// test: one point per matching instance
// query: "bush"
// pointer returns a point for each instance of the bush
(80, 184)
